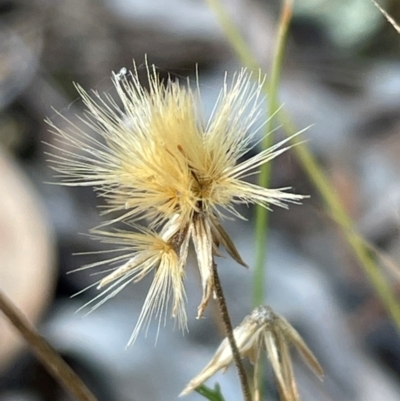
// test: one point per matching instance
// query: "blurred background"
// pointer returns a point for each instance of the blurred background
(341, 74)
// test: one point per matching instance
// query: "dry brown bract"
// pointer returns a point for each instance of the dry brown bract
(263, 330)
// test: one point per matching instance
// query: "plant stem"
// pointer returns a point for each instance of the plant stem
(233, 35)
(341, 218)
(229, 334)
(262, 214)
(49, 357)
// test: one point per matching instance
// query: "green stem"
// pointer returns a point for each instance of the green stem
(233, 35)
(339, 215)
(262, 214)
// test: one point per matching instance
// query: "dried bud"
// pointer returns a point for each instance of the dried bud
(263, 330)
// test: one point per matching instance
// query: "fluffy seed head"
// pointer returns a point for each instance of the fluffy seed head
(151, 155)
(140, 254)
(154, 160)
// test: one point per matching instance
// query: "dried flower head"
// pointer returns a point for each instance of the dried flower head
(263, 330)
(140, 253)
(155, 162)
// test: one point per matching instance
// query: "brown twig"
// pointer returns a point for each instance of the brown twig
(229, 334)
(49, 357)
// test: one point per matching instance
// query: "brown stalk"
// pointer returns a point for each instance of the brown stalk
(49, 357)
(229, 334)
